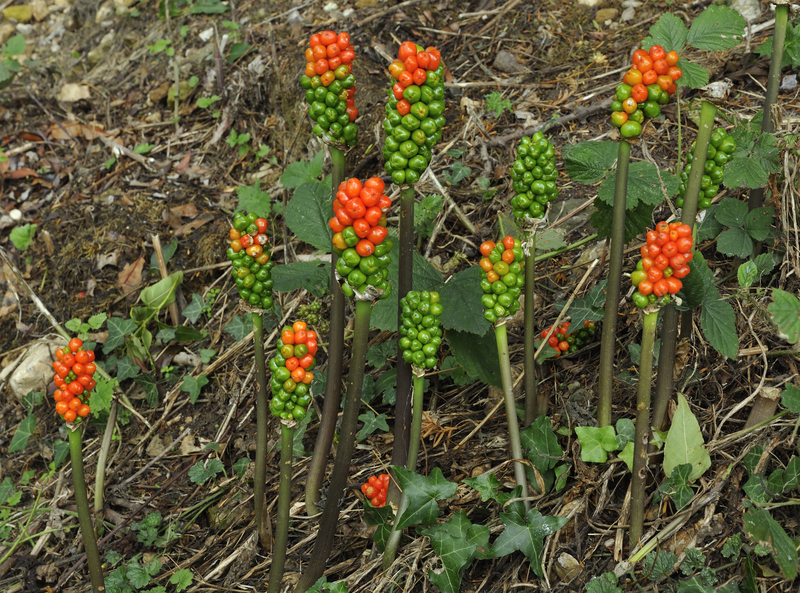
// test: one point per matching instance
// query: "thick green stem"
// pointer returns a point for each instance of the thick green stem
(393, 541)
(102, 457)
(84, 514)
(333, 385)
(535, 403)
(756, 199)
(402, 416)
(642, 434)
(284, 504)
(262, 411)
(615, 251)
(511, 409)
(344, 454)
(666, 356)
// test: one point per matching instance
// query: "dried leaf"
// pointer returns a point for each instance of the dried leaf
(130, 277)
(107, 259)
(188, 210)
(71, 92)
(187, 228)
(22, 172)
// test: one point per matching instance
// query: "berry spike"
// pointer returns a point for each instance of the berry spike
(249, 253)
(664, 263)
(74, 372)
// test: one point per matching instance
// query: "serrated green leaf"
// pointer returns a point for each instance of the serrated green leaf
(785, 311)
(735, 242)
(461, 299)
(371, 424)
(659, 564)
(455, 542)
(756, 156)
(541, 444)
(760, 525)
(378, 354)
(526, 535)
(181, 579)
(97, 321)
(73, 325)
(253, 199)
(758, 223)
(694, 75)
(643, 186)
(14, 46)
(201, 472)
(422, 493)
(22, 236)
(162, 293)
(300, 172)
(605, 583)
(698, 285)
(239, 327)
(790, 399)
(588, 308)
(194, 310)
(137, 575)
(588, 162)
(193, 386)
(731, 213)
(718, 322)
(485, 484)
(22, 434)
(314, 276)
(685, 443)
(102, 394)
(669, 32)
(308, 213)
(709, 227)
(716, 28)
(596, 442)
(637, 221)
(477, 355)
(747, 274)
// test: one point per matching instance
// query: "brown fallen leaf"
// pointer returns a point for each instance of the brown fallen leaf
(187, 228)
(22, 172)
(184, 163)
(130, 277)
(188, 210)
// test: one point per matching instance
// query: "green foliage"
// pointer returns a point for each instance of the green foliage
(496, 103)
(791, 399)
(378, 354)
(785, 311)
(208, 7)
(456, 373)
(644, 186)
(425, 277)
(755, 158)
(477, 355)
(588, 308)
(194, 310)
(767, 532)
(461, 299)
(323, 586)
(133, 577)
(716, 28)
(636, 220)
(694, 560)
(425, 213)
(102, 394)
(750, 271)
(526, 534)
(685, 443)
(486, 485)
(746, 227)
(9, 66)
(589, 162)
(148, 384)
(239, 327)
(669, 32)
(240, 467)
(300, 172)
(201, 472)
(81, 330)
(732, 547)
(659, 564)
(143, 148)
(605, 583)
(422, 493)
(308, 213)
(22, 236)
(694, 75)
(596, 442)
(181, 579)
(456, 542)
(147, 529)
(24, 431)
(456, 173)
(253, 199)
(314, 276)
(791, 47)
(676, 486)
(193, 386)
(371, 424)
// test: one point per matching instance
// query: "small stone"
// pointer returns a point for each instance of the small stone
(628, 14)
(606, 14)
(567, 567)
(6, 31)
(749, 9)
(506, 62)
(40, 10)
(789, 82)
(590, 3)
(21, 14)
(105, 12)
(99, 53)
(26, 30)
(71, 92)
(121, 4)
(35, 370)
(159, 93)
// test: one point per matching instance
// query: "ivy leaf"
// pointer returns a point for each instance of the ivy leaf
(627, 455)
(194, 310)
(682, 493)
(716, 28)
(308, 213)
(588, 308)
(22, 434)
(694, 75)
(588, 162)
(300, 172)
(253, 199)
(193, 386)
(485, 484)
(240, 467)
(117, 330)
(766, 531)
(477, 355)
(461, 299)
(544, 450)
(685, 443)
(201, 472)
(790, 399)
(526, 535)
(148, 384)
(314, 276)
(756, 156)
(371, 424)
(718, 322)
(239, 327)
(669, 32)
(596, 442)
(643, 186)
(126, 369)
(637, 221)
(455, 542)
(422, 492)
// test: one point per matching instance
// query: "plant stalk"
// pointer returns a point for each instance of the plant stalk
(611, 309)
(402, 417)
(393, 542)
(262, 411)
(642, 434)
(344, 453)
(669, 327)
(333, 385)
(535, 404)
(284, 504)
(84, 515)
(501, 335)
(102, 458)
(756, 199)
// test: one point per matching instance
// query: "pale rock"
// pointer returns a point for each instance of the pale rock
(98, 54)
(789, 82)
(105, 12)
(206, 35)
(749, 9)
(124, 4)
(628, 14)
(72, 92)
(506, 62)
(35, 370)
(7, 30)
(40, 10)
(606, 14)
(590, 3)
(567, 568)
(25, 29)
(21, 14)
(62, 4)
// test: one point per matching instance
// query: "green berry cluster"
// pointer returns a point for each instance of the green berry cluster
(248, 251)
(310, 313)
(533, 175)
(291, 372)
(420, 333)
(720, 148)
(503, 277)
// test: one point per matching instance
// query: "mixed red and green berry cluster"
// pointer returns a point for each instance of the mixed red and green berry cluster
(503, 277)
(415, 112)
(664, 262)
(720, 148)
(564, 342)
(330, 86)
(534, 175)
(420, 334)
(375, 489)
(645, 87)
(360, 237)
(74, 383)
(291, 372)
(250, 257)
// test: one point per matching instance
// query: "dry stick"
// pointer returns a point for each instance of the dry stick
(155, 459)
(162, 268)
(386, 11)
(459, 212)
(102, 458)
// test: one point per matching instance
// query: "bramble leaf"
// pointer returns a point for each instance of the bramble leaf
(314, 276)
(694, 75)
(24, 431)
(461, 299)
(588, 162)
(718, 322)
(542, 445)
(669, 32)
(716, 28)
(300, 172)
(644, 186)
(308, 213)
(477, 355)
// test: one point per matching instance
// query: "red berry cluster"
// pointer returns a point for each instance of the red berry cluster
(663, 263)
(74, 369)
(360, 215)
(563, 341)
(327, 53)
(375, 489)
(412, 67)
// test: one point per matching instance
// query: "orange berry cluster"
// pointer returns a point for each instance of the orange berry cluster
(663, 263)
(412, 66)
(375, 489)
(74, 370)
(291, 372)
(563, 341)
